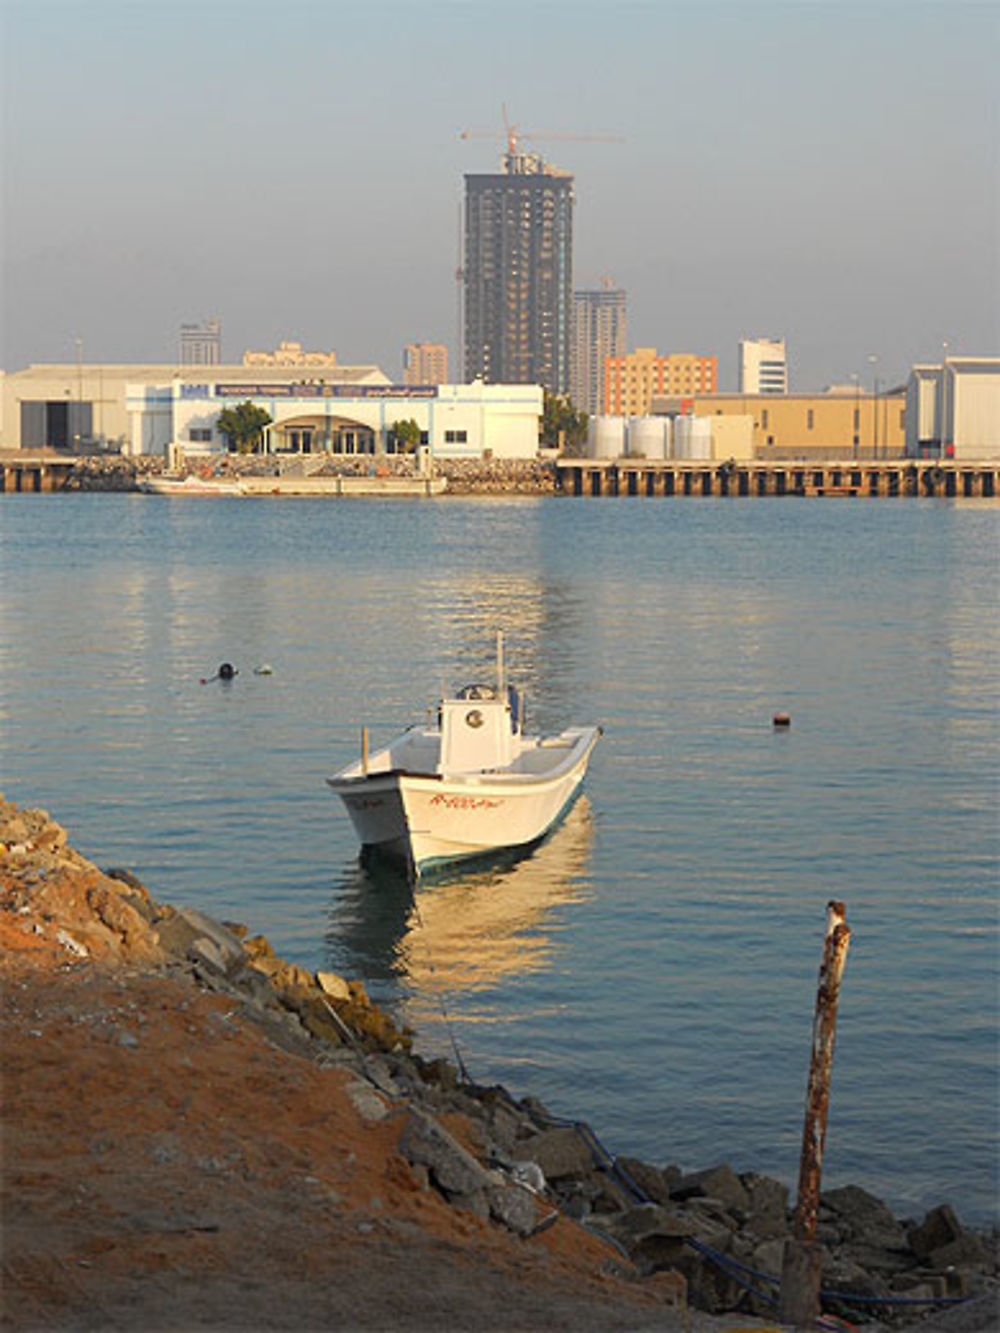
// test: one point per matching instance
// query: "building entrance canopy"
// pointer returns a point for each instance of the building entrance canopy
(311, 434)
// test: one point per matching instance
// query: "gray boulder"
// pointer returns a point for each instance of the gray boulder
(940, 1227)
(514, 1207)
(645, 1220)
(768, 1207)
(858, 1215)
(229, 945)
(649, 1179)
(717, 1182)
(559, 1152)
(424, 1143)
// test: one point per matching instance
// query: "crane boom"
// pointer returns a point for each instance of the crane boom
(514, 135)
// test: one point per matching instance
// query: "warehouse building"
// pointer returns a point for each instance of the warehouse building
(836, 425)
(144, 409)
(953, 409)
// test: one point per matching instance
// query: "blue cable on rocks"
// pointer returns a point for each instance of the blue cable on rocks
(606, 1161)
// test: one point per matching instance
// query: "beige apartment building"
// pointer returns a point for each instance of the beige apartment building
(425, 363)
(806, 426)
(632, 381)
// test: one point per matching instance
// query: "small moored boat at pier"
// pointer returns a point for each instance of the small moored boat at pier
(469, 784)
(190, 485)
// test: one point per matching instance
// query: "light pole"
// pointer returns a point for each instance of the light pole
(873, 362)
(857, 413)
(79, 395)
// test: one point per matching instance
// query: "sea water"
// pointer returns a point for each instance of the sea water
(652, 967)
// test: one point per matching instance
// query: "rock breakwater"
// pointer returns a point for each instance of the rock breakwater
(464, 476)
(504, 1167)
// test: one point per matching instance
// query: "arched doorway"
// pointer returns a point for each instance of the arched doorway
(311, 433)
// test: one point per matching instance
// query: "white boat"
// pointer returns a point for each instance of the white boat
(190, 485)
(469, 784)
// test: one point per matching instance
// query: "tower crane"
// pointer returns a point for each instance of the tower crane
(514, 135)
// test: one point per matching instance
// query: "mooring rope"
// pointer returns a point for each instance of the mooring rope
(439, 992)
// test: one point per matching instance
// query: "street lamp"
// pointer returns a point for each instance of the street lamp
(873, 362)
(79, 395)
(857, 413)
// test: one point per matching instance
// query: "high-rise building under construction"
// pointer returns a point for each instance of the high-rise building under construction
(518, 274)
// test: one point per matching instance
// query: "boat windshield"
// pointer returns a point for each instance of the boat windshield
(477, 692)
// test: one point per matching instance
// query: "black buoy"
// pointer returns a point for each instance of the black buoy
(225, 672)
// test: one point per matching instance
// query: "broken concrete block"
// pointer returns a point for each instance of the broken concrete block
(424, 1142)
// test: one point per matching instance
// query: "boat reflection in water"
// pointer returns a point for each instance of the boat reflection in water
(463, 930)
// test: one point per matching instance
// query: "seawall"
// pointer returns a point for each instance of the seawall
(570, 477)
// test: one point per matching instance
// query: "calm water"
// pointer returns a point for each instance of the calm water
(652, 968)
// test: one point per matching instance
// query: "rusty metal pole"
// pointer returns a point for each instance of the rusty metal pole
(801, 1267)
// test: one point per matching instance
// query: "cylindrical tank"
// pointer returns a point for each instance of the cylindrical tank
(645, 437)
(692, 438)
(700, 442)
(668, 437)
(682, 437)
(607, 437)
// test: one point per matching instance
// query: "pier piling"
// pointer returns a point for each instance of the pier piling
(893, 478)
(801, 1266)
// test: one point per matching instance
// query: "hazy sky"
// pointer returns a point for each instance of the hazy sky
(825, 172)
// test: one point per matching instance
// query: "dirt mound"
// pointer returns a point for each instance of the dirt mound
(182, 1152)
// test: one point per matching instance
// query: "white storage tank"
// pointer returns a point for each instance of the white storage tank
(607, 437)
(700, 439)
(682, 437)
(645, 437)
(668, 437)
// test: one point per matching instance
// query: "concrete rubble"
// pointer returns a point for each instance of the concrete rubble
(512, 1162)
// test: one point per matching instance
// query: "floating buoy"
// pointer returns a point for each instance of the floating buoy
(782, 720)
(225, 672)
(265, 669)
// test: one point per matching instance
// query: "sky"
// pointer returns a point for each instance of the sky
(822, 171)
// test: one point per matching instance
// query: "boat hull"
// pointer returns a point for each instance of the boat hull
(190, 486)
(426, 821)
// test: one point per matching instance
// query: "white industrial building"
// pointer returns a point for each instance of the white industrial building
(147, 409)
(455, 420)
(763, 365)
(953, 409)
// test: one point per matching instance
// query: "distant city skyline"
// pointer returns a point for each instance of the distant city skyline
(826, 172)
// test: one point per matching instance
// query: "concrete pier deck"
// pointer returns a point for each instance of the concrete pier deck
(369, 486)
(890, 478)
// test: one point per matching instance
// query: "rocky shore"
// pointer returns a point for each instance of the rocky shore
(200, 1134)
(464, 476)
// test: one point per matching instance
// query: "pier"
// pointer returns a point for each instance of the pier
(38, 472)
(370, 486)
(47, 471)
(889, 479)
